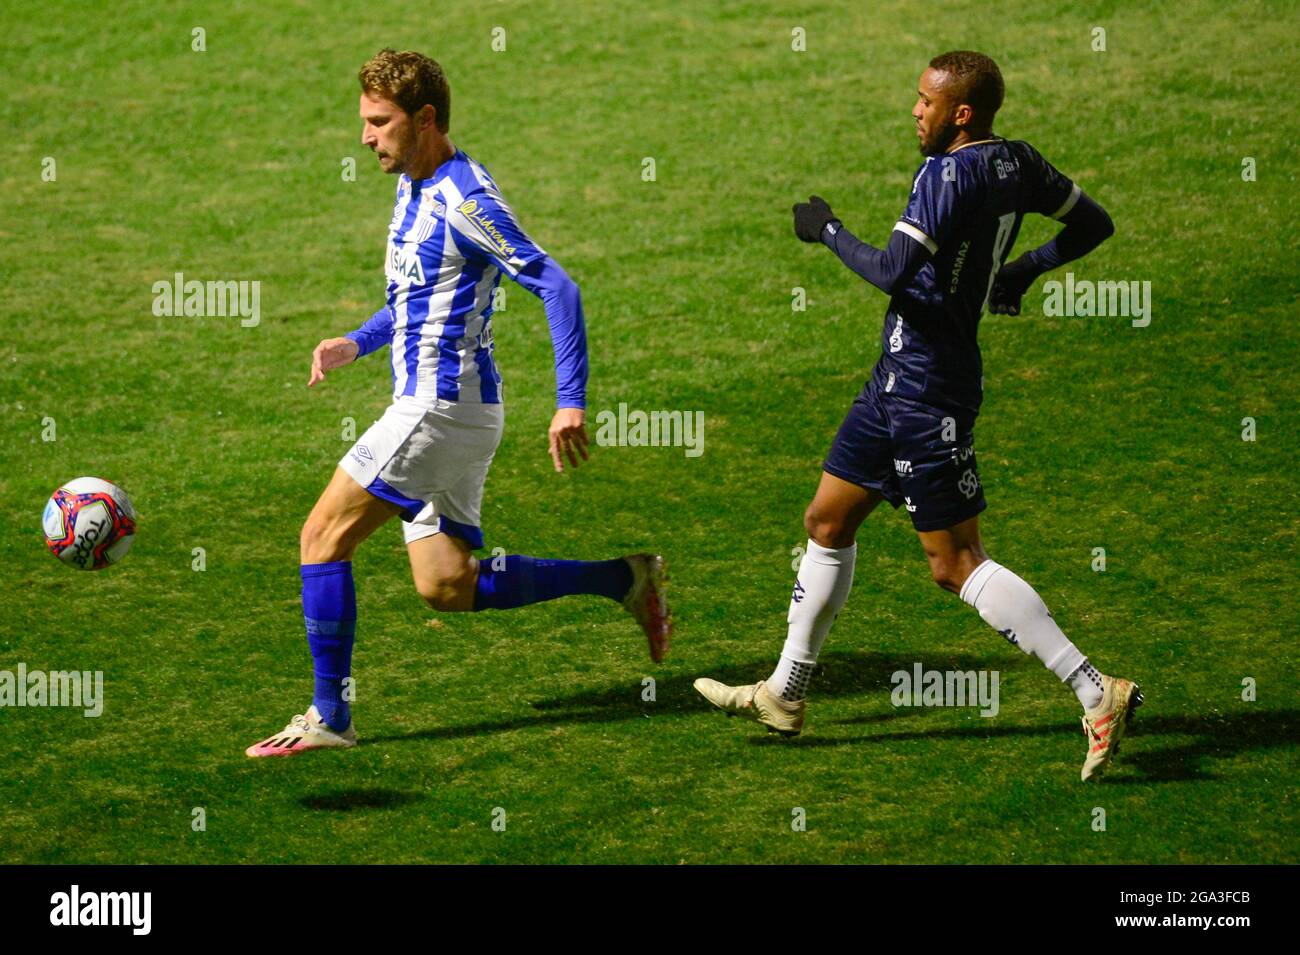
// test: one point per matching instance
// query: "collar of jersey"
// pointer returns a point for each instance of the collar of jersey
(978, 142)
(437, 173)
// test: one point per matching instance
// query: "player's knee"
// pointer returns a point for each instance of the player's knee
(450, 590)
(945, 574)
(322, 541)
(439, 596)
(950, 570)
(312, 538)
(827, 530)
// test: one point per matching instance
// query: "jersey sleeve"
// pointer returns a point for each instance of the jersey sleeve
(934, 208)
(1049, 192)
(484, 222)
(375, 333)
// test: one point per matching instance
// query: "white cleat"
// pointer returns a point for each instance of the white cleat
(754, 702)
(304, 732)
(1105, 725)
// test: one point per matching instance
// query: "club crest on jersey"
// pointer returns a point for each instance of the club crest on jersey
(486, 227)
(403, 264)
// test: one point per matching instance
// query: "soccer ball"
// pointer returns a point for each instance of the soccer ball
(89, 523)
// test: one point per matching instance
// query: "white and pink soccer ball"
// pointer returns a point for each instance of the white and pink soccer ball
(89, 523)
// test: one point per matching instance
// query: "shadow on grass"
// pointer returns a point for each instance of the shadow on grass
(1216, 737)
(838, 674)
(346, 800)
(864, 674)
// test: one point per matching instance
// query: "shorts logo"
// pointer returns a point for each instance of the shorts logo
(889, 385)
(896, 339)
(911, 508)
(969, 483)
(902, 467)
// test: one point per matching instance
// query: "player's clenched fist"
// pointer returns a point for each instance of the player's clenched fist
(568, 433)
(331, 353)
(811, 217)
(1012, 282)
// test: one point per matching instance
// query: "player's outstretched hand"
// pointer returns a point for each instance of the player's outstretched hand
(810, 218)
(568, 434)
(1012, 282)
(331, 353)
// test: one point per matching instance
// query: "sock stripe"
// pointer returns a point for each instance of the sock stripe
(980, 577)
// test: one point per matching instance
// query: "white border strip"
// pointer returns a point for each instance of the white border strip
(918, 235)
(1069, 203)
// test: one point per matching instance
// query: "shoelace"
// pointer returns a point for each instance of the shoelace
(298, 722)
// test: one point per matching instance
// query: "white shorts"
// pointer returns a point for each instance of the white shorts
(432, 462)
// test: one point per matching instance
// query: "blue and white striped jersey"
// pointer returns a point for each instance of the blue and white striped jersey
(450, 239)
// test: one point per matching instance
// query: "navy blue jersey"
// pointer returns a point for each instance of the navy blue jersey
(966, 207)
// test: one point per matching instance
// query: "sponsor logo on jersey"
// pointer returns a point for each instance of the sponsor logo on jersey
(896, 339)
(1005, 167)
(902, 467)
(486, 227)
(957, 263)
(403, 264)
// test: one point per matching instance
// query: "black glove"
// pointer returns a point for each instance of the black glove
(810, 218)
(1012, 282)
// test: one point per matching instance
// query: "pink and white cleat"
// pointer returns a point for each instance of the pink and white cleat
(647, 602)
(304, 732)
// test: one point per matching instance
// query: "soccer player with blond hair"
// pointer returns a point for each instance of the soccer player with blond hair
(451, 238)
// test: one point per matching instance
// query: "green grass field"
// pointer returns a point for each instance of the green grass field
(226, 164)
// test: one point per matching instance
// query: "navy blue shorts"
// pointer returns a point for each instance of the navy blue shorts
(914, 454)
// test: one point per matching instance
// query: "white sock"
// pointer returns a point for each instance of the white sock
(1012, 608)
(820, 590)
(1086, 684)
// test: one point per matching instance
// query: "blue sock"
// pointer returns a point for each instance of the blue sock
(530, 580)
(329, 604)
